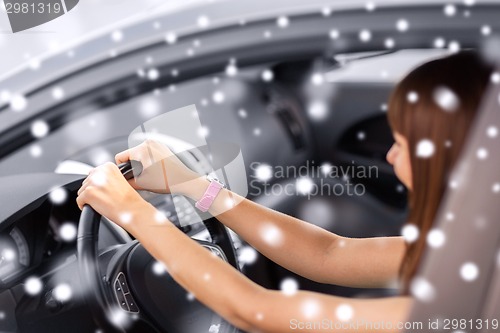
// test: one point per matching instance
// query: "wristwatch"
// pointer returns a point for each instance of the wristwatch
(209, 196)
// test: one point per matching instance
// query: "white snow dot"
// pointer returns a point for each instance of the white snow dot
(160, 217)
(62, 292)
(365, 35)
(389, 43)
(492, 131)
(326, 11)
(207, 277)
(118, 317)
(33, 286)
(264, 172)
(67, 232)
(2, 315)
(58, 195)
(317, 110)
(289, 286)
(267, 75)
(439, 43)
(190, 297)
(344, 312)
(412, 97)
(267, 34)
(482, 153)
(242, 113)
(247, 255)
(402, 25)
(422, 289)
(304, 185)
(171, 37)
(117, 36)
(317, 79)
(311, 308)
(326, 168)
(271, 234)
(259, 316)
(410, 233)
(257, 131)
(450, 216)
(450, 10)
(231, 70)
(361, 135)
(57, 93)
(425, 148)
(34, 63)
(469, 2)
(454, 46)
(125, 217)
(283, 21)
(149, 107)
(153, 74)
(370, 6)
(469, 271)
(334, 34)
(436, 238)
(495, 78)
(203, 131)
(158, 268)
(485, 30)
(446, 99)
(36, 151)
(496, 188)
(218, 97)
(18, 102)
(203, 21)
(8, 254)
(39, 129)
(99, 178)
(5, 96)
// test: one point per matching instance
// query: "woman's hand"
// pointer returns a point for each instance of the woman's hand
(162, 172)
(107, 191)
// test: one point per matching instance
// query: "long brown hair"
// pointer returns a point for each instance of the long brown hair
(438, 102)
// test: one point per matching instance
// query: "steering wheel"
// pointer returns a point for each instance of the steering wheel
(128, 293)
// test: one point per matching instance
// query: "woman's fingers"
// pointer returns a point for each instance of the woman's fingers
(122, 157)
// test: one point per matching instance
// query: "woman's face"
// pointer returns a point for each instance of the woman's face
(399, 157)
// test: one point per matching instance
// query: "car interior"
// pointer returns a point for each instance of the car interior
(313, 94)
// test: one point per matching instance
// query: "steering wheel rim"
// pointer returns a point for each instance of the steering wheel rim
(98, 286)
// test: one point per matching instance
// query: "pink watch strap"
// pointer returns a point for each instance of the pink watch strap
(209, 196)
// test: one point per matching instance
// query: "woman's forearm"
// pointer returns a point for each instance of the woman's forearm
(245, 304)
(294, 244)
(196, 269)
(304, 248)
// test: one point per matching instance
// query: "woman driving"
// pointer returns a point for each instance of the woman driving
(418, 115)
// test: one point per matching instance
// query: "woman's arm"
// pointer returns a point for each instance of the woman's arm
(299, 246)
(304, 248)
(247, 305)
(243, 303)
